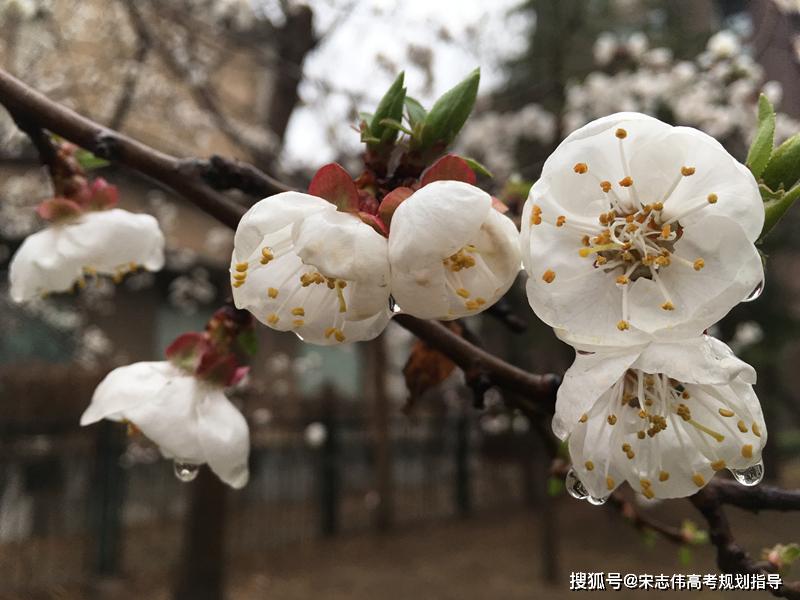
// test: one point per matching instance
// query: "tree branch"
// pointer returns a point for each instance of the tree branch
(184, 177)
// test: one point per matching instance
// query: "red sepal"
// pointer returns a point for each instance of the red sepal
(188, 350)
(390, 203)
(499, 205)
(375, 222)
(102, 195)
(451, 168)
(336, 186)
(56, 209)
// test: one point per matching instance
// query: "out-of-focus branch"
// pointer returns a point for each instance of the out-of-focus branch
(128, 88)
(202, 93)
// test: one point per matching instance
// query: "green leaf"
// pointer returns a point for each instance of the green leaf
(415, 111)
(783, 169)
(555, 485)
(89, 161)
(790, 553)
(450, 112)
(478, 167)
(390, 107)
(248, 342)
(761, 148)
(775, 206)
(685, 556)
(395, 124)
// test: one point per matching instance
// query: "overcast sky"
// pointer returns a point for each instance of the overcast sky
(370, 42)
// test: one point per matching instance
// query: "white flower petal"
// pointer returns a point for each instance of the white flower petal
(323, 275)
(106, 242)
(674, 416)
(224, 437)
(639, 230)
(451, 254)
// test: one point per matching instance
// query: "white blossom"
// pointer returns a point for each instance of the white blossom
(109, 242)
(664, 417)
(452, 254)
(637, 228)
(300, 265)
(191, 421)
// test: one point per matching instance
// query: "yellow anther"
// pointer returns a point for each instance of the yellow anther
(668, 306)
(685, 395)
(585, 240)
(242, 266)
(240, 276)
(548, 276)
(480, 301)
(663, 476)
(626, 447)
(648, 493)
(272, 292)
(621, 133)
(329, 331)
(747, 451)
(630, 454)
(712, 198)
(583, 418)
(471, 305)
(663, 261)
(584, 252)
(718, 465)
(756, 430)
(698, 479)
(600, 261)
(658, 206)
(266, 255)
(237, 284)
(626, 182)
(589, 465)
(462, 292)
(645, 483)
(272, 319)
(132, 266)
(605, 186)
(623, 325)
(561, 220)
(610, 483)
(339, 335)
(684, 412)
(726, 413)
(686, 171)
(666, 230)
(580, 168)
(640, 434)
(742, 426)
(699, 264)
(536, 219)
(298, 323)
(459, 260)
(622, 280)
(299, 311)
(612, 419)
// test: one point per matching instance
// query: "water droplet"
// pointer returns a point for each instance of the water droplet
(574, 486)
(597, 501)
(749, 476)
(186, 472)
(755, 293)
(393, 306)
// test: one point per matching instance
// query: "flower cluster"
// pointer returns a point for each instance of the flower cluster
(180, 403)
(716, 92)
(638, 237)
(329, 265)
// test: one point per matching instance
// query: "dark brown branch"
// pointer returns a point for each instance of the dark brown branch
(761, 497)
(231, 174)
(731, 557)
(26, 103)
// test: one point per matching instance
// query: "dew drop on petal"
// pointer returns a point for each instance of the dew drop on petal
(574, 486)
(597, 501)
(186, 472)
(393, 306)
(749, 476)
(755, 293)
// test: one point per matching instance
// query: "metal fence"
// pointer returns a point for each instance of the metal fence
(81, 505)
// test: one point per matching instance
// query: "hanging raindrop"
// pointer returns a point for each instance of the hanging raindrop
(574, 486)
(755, 293)
(393, 306)
(597, 501)
(186, 472)
(749, 476)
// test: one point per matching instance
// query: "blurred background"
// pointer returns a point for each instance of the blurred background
(361, 487)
